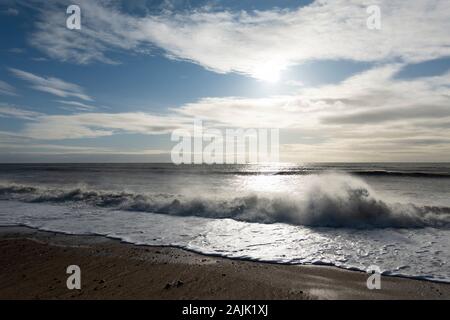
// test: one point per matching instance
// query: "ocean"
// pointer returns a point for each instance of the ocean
(350, 215)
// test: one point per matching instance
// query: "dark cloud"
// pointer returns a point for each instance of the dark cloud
(384, 114)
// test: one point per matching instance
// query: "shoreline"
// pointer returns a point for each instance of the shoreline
(213, 255)
(34, 263)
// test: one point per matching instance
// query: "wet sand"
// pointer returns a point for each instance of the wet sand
(33, 266)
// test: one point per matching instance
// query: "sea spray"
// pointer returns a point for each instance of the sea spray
(327, 200)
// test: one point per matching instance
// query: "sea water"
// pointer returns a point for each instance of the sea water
(395, 216)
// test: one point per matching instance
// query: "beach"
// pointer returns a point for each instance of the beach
(33, 266)
(352, 216)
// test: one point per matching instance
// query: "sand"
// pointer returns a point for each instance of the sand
(33, 266)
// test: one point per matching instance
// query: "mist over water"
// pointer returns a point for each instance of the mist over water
(349, 215)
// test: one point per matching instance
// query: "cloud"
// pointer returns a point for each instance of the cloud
(90, 125)
(359, 150)
(42, 149)
(16, 50)
(373, 109)
(385, 114)
(7, 89)
(39, 59)
(52, 85)
(231, 112)
(10, 12)
(316, 123)
(104, 29)
(370, 117)
(284, 111)
(77, 105)
(10, 111)
(255, 43)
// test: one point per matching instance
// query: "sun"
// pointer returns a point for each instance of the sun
(268, 73)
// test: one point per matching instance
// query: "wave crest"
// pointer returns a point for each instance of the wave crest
(329, 200)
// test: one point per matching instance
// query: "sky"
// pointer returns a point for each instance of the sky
(115, 90)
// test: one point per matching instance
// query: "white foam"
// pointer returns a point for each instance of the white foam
(422, 253)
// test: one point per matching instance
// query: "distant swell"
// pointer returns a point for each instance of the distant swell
(402, 174)
(330, 201)
(366, 173)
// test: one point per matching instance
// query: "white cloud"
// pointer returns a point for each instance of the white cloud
(77, 105)
(396, 119)
(103, 29)
(256, 43)
(9, 111)
(50, 149)
(89, 125)
(372, 105)
(7, 89)
(52, 85)
(284, 111)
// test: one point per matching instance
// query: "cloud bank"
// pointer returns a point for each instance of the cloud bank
(246, 41)
(370, 115)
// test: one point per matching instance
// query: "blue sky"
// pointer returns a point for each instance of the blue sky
(137, 70)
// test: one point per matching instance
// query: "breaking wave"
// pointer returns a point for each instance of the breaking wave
(330, 200)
